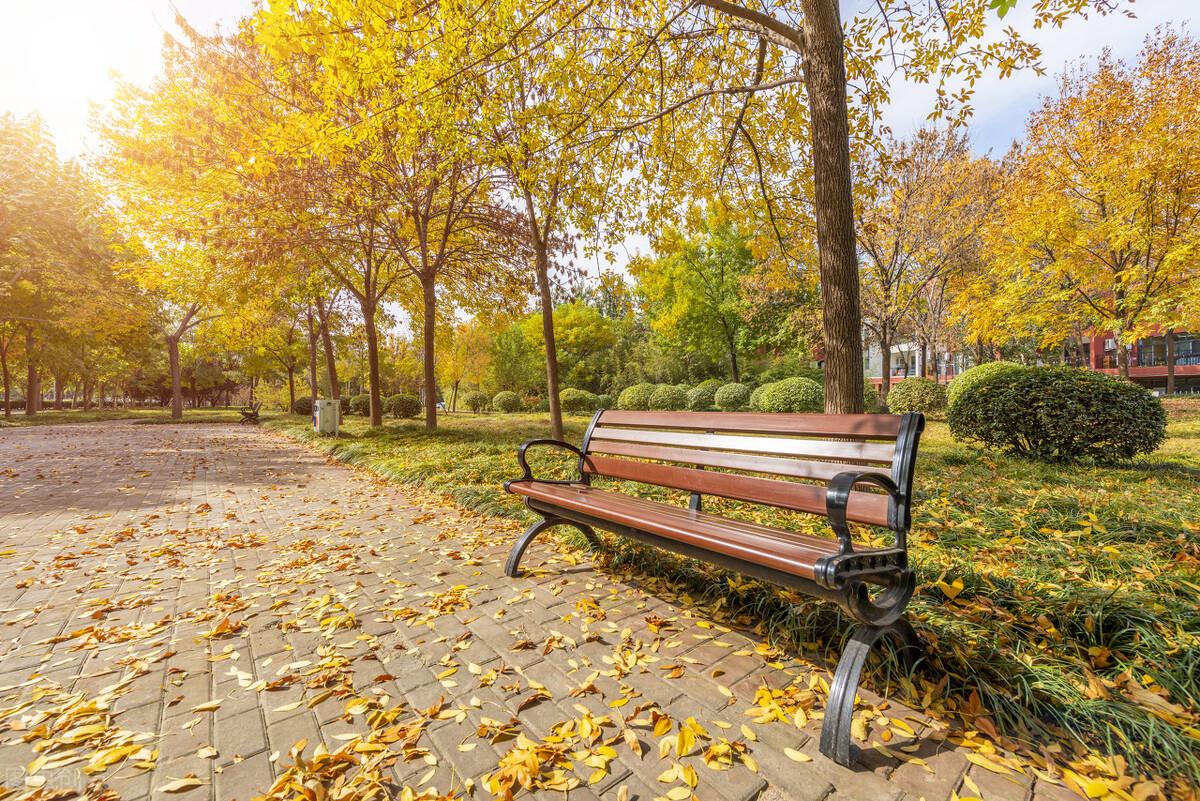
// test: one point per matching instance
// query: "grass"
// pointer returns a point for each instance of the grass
(1062, 603)
(53, 417)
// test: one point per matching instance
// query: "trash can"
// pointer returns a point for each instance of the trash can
(325, 416)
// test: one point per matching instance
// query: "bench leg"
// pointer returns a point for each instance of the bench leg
(839, 711)
(512, 567)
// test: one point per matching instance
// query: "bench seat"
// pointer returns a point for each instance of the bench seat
(785, 551)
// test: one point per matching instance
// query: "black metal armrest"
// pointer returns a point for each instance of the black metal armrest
(838, 495)
(527, 472)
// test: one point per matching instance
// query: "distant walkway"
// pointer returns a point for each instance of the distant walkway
(201, 611)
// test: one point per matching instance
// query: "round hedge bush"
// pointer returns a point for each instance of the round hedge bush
(577, 401)
(303, 405)
(669, 398)
(507, 402)
(635, 398)
(402, 405)
(604, 401)
(475, 400)
(702, 397)
(732, 397)
(793, 395)
(916, 395)
(871, 402)
(1059, 414)
(757, 395)
(360, 404)
(979, 372)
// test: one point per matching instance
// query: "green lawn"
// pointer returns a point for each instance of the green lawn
(51, 417)
(1067, 598)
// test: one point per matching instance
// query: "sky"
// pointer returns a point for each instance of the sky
(58, 58)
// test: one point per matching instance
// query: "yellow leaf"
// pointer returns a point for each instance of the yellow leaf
(796, 756)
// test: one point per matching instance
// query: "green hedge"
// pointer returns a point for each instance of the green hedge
(916, 395)
(669, 397)
(578, 401)
(505, 401)
(793, 395)
(732, 397)
(402, 405)
(303, 406)
(979, 372)
(476, 401)
(1059, 414)
(635, 398)
(702, 397)
(360, 404)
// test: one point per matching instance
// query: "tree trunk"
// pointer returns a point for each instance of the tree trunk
(731, 343)
(825, 82)
(33, 387)
(885, 361)
(542, 268)
(312, 356)
(7, 379)
(1122, 359)
(368, 312)
(429, 326)
(291, 388)
(58, 392)
(335, 388)
(1170, 342)
(176, 378)
(454, 397)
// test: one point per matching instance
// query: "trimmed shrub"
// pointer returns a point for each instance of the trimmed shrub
(578, 401)
(702, 397)
(507, 402)
(402, 405)
(916, 395)
(732, 397)
(635, 398)
(604, 401)
(976, 374)
(871, 402)
(757, 394)
(1059, 414)
(669, 398)
(793, 395)
(303, 406)
(360, 404)
(475, 400)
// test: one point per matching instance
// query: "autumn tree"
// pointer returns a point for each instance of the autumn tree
(923, 219)
(1103, 204)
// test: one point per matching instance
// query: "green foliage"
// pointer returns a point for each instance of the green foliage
(917, 395)
(578, 401)
(976, 374)
(303, 406)
(1059, 414)
(702, 397)
(669, 397)
(793, 395)
(732, 397)
(635, 398)
(871, 402)
(360, 404)
(402, 405)
(604, 401)
(507, 402)
(756, 397)
(475, 400)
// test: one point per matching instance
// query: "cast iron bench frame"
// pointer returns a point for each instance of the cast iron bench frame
(872, 585)
(250, 413)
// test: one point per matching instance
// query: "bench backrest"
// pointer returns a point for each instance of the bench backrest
(768, 451)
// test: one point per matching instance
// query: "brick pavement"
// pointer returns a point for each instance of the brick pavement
(207, 611)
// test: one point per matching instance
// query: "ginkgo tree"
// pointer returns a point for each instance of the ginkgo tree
(1101, 213)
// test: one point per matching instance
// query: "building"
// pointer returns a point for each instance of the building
(1147, 361)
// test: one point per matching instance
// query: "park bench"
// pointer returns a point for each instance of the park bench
(863, 463)
(250, 413)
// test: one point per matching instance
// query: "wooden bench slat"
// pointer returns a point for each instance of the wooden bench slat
(795, 468)
(860, 426)
(781, 550)
(849, 451)
(863, 507)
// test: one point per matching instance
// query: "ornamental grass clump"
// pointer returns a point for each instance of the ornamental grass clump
(1059, 414)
